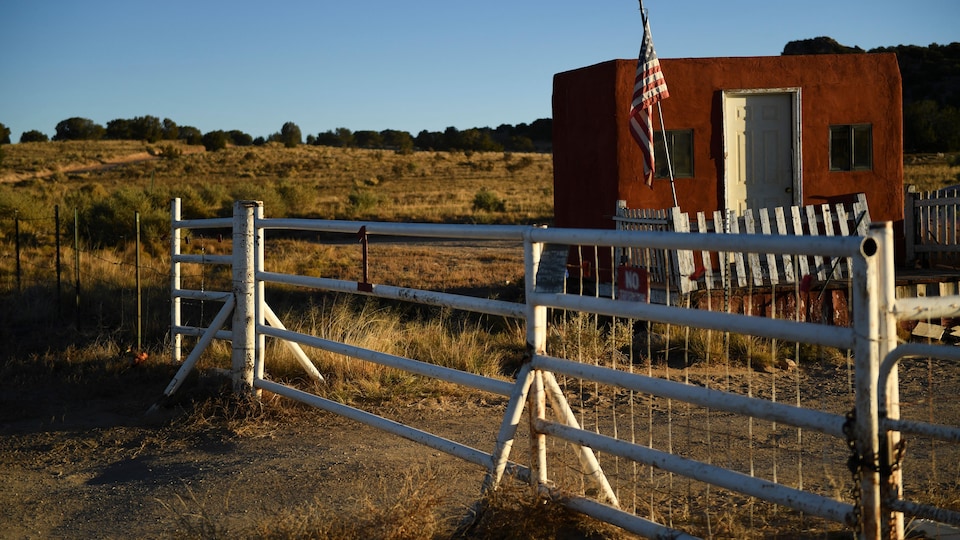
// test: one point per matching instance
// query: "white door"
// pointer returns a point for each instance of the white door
(759, 139)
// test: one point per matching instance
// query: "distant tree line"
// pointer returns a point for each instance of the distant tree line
(520, 138)
(931, 116)
(931, 89)
(523, 137)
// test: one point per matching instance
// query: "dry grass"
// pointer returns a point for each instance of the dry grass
(439, 337)
(593, 339)
(929, 172)
(414, 512)
(42, 159)
(434, 266)
(307, 181)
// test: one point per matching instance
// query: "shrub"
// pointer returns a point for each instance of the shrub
(215, 140)
(110, 221)
(363, 200)
(290, 135)
(166, 151)
(488, 201)
(33, 136)
(524, 162)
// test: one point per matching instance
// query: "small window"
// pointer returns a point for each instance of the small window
(680, 143)
(851, 147)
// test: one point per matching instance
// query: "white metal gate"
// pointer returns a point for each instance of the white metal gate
(547, 381)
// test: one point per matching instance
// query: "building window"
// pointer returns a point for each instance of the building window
(680, 143)
(851, 147)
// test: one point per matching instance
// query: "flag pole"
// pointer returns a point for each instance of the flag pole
(663, 130)
(666, 151)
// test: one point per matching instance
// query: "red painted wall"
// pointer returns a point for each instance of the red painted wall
(596, 161)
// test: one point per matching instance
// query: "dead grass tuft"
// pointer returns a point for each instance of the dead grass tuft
(513, 511)
(440, 337)
(413, 512)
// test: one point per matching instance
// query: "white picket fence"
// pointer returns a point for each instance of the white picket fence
(548, 381)
(931, 226)
(689, 271)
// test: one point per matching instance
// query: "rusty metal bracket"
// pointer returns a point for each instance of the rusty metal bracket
(365, 285)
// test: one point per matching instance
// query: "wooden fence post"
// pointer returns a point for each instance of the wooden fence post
(139, 291)
(909, 222)
(682, 259)
(76, 260)
(56, 239)
(16, 235)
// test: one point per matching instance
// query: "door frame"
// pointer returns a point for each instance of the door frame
(796, 139)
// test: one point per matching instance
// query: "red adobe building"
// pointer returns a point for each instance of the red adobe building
(745, 133)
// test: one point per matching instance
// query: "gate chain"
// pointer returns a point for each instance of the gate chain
(855, 464)
(889, 469)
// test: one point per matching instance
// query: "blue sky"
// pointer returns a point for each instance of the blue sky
(375, 65)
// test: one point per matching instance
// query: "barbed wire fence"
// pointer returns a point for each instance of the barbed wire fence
(53, 277)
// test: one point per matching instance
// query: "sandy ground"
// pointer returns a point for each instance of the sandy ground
(75, 463)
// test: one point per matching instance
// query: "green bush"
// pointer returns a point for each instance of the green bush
(33, 136)
(488, 201)
(215, 140)
(111, 221)
(169, 151)
(363, 200)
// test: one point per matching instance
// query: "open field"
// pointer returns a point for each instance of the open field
(78, 458)
(308, 181)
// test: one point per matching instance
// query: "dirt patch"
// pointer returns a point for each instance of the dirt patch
(89, 166)
(72, 466)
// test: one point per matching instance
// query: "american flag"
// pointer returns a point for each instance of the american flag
(648, 88)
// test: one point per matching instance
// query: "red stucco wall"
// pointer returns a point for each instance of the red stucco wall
(597, 162)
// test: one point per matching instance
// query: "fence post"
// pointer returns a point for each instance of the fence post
(244, 291)
(620, 252)
(866, 323)
(891, 480)
(56, 239)
(536, 320)
(176, 339)
(682, 259)
(16, 236)
(260, 301)
(909, 222)
(139, 294)
(76, 260)
(536, 315)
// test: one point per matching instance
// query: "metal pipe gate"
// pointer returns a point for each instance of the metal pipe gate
(873, 431)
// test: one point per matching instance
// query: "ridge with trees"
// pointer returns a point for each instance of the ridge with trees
(931, 116)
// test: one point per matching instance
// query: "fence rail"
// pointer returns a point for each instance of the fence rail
(611, 405)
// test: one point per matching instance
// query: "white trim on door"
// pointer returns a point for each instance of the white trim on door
(796, 140)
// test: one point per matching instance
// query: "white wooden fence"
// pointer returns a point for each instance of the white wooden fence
(707, 270)
(931, 226)
(873, 430)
